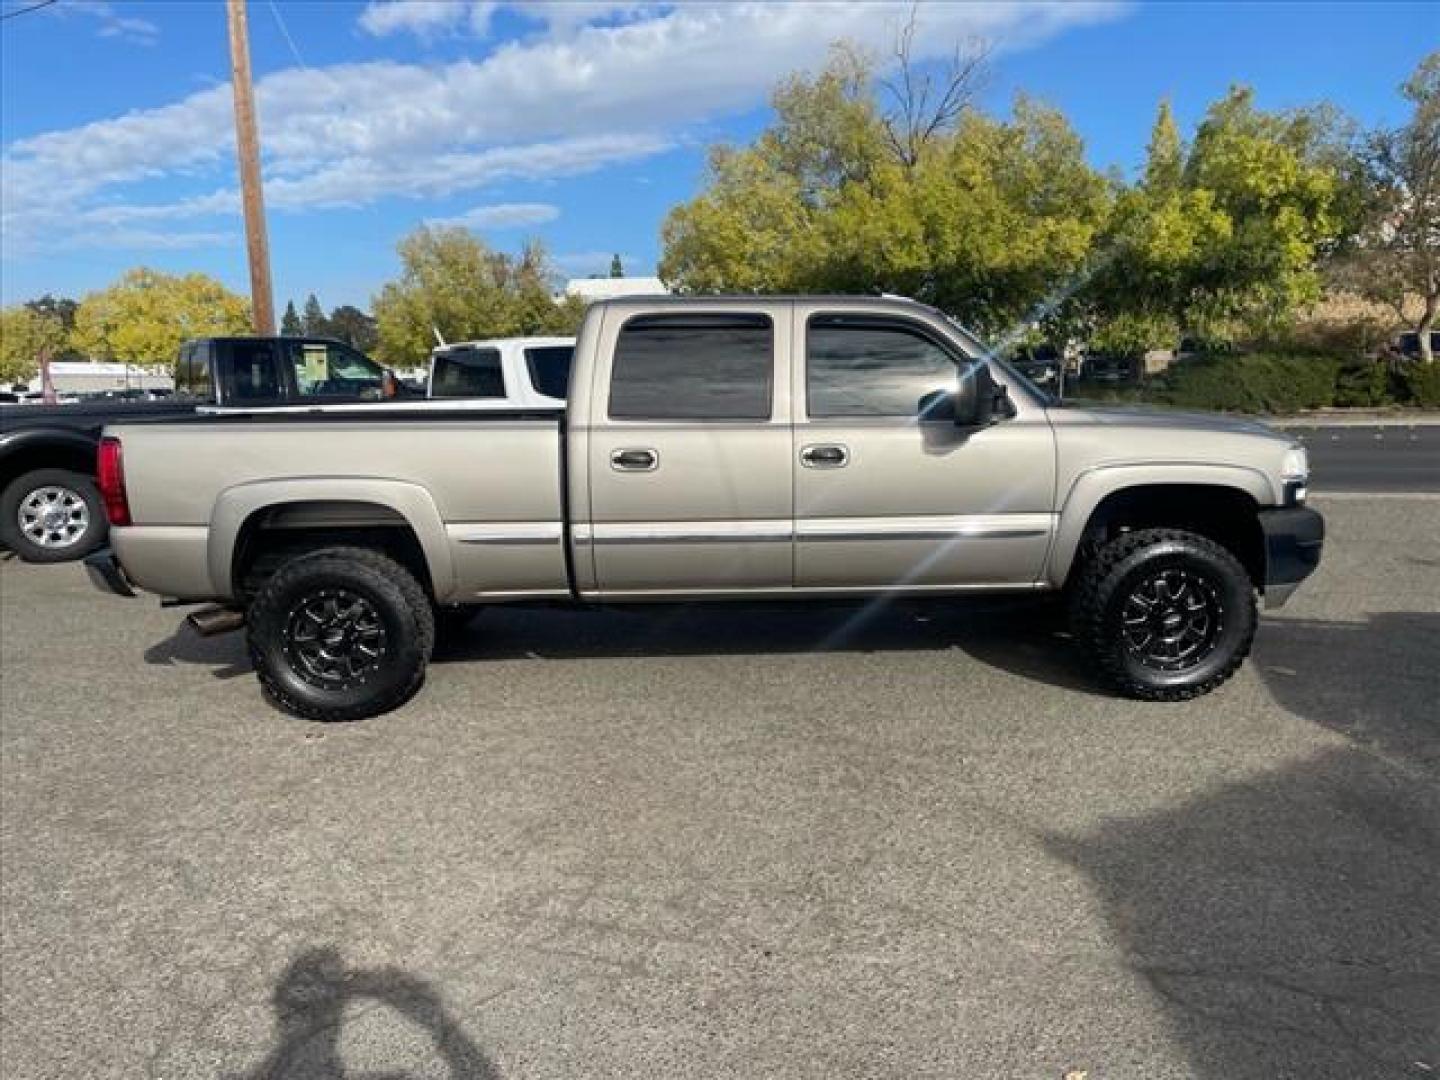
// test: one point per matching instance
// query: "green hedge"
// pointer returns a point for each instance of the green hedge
(1279, 383)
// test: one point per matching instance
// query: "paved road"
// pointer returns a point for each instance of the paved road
(1378, 458)
(689, 843)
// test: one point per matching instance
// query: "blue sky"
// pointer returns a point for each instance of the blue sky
(578, 123)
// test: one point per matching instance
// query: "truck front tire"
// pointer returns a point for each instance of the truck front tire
(340, 634)
(52, 515)
(1164, 614)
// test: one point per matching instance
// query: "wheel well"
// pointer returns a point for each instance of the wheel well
(57, 456)
(276, 534)
(1226, 515)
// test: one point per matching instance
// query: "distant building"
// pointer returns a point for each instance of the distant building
(605, 288)
(84, 377)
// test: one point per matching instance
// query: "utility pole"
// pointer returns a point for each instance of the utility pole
(247, 148)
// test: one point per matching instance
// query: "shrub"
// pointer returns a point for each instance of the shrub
(1251, 382)
(1363, 383)
(1422, 384)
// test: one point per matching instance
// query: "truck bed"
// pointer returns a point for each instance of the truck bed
(482, 491)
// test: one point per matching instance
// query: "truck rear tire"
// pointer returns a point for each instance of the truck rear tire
(1164, 614)
(52, 515)
(341, 633)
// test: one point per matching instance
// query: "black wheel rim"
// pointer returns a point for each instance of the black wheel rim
(1172, 619)
(335, 639)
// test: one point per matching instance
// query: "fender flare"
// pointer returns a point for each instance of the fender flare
(236, 505)
(1099, 482)
(23, 440)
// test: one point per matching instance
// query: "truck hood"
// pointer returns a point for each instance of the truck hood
(1149, 417)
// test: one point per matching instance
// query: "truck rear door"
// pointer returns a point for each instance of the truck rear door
(690, 489)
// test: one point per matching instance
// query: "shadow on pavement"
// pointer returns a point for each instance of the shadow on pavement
(224, 652)
(1376, 682)
(1289, 923)
(310, 1001)
(1021, 636)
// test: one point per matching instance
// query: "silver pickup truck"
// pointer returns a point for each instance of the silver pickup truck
(713, 449)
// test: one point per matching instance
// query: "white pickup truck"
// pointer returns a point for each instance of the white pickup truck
(523, 372)
(714, 448)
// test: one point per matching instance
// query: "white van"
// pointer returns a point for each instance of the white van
(503, 373)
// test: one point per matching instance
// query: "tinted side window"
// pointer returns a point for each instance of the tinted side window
(253, 372)
(325, 369)
(860, 366)
(468, 373)
(549, 367)
(693, 367)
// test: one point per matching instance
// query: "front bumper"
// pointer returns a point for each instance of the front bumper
(1294, 538)
(105, 573)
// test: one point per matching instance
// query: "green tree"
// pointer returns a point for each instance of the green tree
(451, 282)
(290, 324)
(1396, 255)
(1219, 240)
(145, 316)
(354, 327)
(313, 321)
(616, 268)
(26, 337)
(61, 309)
(991, 220)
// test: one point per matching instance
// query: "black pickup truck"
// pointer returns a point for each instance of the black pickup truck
(50, 509)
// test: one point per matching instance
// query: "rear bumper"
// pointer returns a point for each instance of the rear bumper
(1294, 538)
(105, 573)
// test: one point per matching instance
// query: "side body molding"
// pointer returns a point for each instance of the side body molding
(1091, 486)
(411, 501)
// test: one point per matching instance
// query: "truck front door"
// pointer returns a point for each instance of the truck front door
(689, 450)
(889, 493)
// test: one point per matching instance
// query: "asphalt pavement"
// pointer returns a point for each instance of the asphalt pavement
(1381, 457)
(696, 842)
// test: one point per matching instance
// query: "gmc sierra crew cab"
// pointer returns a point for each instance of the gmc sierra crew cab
(714, 448)
(50, 510)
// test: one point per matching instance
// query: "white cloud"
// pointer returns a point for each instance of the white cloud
(606, 83)
(110, 23)
(500, 216)
(147, 240)
(426, 18)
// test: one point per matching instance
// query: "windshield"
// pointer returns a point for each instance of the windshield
(1012, 375)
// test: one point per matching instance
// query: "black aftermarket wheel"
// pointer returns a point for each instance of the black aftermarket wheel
(341, 634)
(1164, 614)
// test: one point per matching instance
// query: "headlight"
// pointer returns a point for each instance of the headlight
(1295, 472)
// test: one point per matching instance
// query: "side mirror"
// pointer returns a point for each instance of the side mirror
(979, 399)
(390, 386)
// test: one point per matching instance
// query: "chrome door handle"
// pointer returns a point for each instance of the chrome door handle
(634, 460)
(825, 457)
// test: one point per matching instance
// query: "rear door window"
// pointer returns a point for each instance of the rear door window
(549, 368)
(468, 373)
(254, 374)
(693, 367)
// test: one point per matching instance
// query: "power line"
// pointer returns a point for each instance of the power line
(25, 10)
(280, 21)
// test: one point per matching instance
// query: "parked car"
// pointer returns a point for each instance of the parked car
(528, 372)
(1408, 344)
(718, 448)
(1109, 369)
(50, 510)
(1038, 363)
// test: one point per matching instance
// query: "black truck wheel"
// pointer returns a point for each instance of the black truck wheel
(341, 634)
(1164, 614)
(52, 515)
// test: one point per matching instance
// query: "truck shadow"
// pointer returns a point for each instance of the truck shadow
(225, 653)
(1024, 637)
(1286, 923)
(311, 1000)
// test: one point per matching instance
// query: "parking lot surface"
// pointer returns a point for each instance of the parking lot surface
(911, 841)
